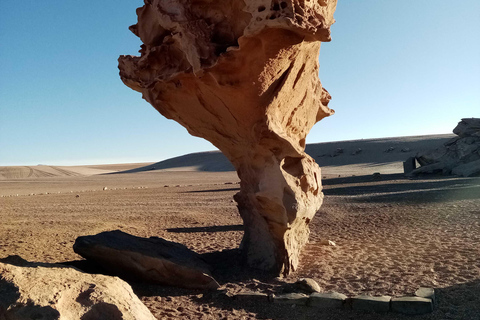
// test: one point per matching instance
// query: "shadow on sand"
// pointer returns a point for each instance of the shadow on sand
(420, 190)
(237, 227)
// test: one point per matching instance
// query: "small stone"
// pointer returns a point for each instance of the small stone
(77, 196)
(376, 176)
(307, 285)
(291, 298)
(412, 305)
(369, 303)
(332, 300)
(327, 243)
(105, 188)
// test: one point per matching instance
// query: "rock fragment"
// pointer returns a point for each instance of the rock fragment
(153, 260)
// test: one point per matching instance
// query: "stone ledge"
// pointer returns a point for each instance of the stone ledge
(412, 305)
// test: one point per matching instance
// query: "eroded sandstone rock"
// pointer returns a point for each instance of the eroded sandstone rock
(47, 291)
(154, 260)
(243, 74)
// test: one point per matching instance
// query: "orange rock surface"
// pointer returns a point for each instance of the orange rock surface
(243, 74)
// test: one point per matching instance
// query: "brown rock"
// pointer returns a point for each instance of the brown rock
(243, 74)
(48, 291)
(152, 259)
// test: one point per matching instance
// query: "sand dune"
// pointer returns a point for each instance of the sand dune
(377, 155)
(44, 171)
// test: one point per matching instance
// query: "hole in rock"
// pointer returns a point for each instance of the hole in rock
(276, 7)
(293, 166)
(261, 8)
(283, 4)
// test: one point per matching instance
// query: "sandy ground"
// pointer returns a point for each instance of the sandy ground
(393, 234)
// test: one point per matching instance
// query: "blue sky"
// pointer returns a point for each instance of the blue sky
(394, 68)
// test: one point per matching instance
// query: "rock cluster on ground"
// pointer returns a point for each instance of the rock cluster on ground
(305, 292)
(460, 156)
(243, 74)
(153, 260)
(48, 291)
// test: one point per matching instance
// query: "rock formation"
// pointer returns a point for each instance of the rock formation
(154, 260)
(47, 291)
(243, 74)
(460, 156)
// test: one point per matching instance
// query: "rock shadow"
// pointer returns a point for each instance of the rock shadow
(214, 190)
(439, 189)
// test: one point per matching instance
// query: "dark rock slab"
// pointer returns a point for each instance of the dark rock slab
(412, 305)
(409, 165)
(153, 260)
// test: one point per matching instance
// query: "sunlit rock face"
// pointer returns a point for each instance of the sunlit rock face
(243, 74)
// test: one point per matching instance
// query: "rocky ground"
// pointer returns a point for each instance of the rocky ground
(393, 235)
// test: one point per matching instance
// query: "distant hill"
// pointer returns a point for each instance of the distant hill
(328, 154)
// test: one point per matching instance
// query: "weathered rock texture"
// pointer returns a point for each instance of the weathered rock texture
(459, 156)
(45, 291)
(243, 74)
(154, 260)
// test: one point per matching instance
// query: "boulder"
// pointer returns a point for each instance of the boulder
(459, 156)
(243, 74)
(153, 260)
(48, 291)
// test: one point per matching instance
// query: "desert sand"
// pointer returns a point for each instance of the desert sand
(393, 234)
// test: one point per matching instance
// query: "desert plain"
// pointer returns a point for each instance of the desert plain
(393, 234)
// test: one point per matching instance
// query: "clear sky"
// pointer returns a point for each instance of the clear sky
(394, 68)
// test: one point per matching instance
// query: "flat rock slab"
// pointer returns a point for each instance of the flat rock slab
(369, 303)
(291, 298)
(48, 291)
(428, 293)
(333, 300)
(412, 305)
(152, 260)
